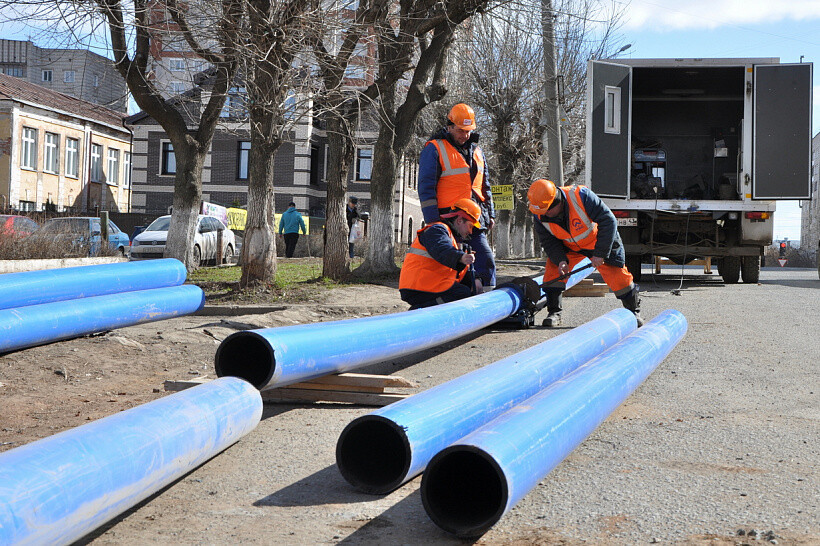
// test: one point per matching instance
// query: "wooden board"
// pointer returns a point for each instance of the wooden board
(306, 395)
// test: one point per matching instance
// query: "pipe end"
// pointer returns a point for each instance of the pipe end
(246, 355)
(373, 454)
(464, 491)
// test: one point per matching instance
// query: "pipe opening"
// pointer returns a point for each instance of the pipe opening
(373, 454)
(246, 355)
(464, 491)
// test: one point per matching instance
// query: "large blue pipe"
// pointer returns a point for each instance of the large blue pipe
(68, 283)
(470, 485)
(274, 357)
(39, 324)
(378, 452)
(58, 489)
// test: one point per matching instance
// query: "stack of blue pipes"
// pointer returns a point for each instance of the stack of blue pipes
(39, 307)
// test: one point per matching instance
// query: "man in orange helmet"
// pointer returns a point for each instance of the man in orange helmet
(435, 267)
(452, 167)
(573, 223)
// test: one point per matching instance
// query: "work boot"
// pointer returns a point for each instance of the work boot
(632, 302)
(553, 307)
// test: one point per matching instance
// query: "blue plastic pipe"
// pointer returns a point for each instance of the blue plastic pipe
(58, 489)
(274, 357)
(32, 325)
(68, 283)
(470, 485)
(378, 452)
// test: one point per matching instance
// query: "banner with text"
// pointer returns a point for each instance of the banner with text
(503, 196)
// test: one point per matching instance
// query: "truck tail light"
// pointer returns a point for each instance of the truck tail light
(757, 215)
(621, 213)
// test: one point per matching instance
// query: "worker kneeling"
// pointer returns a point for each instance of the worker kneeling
(436, 270)
(573, 223)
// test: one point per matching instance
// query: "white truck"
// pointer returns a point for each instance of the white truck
(692, 154)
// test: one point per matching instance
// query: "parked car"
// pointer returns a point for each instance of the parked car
(81, 235)
(151, 242)
(17, 226)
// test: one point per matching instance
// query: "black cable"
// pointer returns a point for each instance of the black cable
(683, 262)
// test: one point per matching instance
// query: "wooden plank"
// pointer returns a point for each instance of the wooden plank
(305, 395)
(364, 380)
(333, 387)
(182, 384)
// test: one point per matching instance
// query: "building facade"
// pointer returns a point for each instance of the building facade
(60, 153)
(810, 210)
(80, 73)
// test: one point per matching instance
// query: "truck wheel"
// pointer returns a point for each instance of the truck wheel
(730, 269)
(750, 268)
(633, 264)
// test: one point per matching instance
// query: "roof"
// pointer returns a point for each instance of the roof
(18, 89)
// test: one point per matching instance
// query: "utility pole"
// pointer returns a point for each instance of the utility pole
(552, 135)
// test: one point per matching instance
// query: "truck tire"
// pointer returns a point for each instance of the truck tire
(729, 269)
(750, 268)
(633, 264)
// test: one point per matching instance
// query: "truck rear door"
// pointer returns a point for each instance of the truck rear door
(609, 106)
(781, 154)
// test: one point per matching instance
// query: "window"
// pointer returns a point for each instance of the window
(126, 170)
(243, 155)
(68, 76)
(71, 156)
(51, 163)
(28, 155)
(235, 103)
(176, 64)
(113, 167)
(96, 81)
(356, 71)
(168, 161)
(178, 87)
(612, 110)
(96, 163)
(364, 163)
(27, 206)
(16, 71)
(48, 75)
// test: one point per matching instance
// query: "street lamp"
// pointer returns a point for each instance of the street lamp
(624, 48)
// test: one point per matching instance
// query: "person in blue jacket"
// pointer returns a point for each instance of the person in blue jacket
(452, 166)
(290, 224)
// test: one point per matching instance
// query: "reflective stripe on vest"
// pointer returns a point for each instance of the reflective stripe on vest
(455, 182)
(583, 232)
(421, 271)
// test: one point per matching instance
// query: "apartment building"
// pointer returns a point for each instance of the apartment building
(80, 73)
(58, 152)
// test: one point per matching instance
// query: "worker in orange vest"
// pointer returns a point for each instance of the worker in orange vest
(436, 266)
(452, 167)
(573, 223)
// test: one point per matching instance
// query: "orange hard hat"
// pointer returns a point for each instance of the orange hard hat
(467, 209)
(462, 116)
(541, 195)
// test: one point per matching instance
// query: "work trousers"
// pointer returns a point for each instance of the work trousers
(418, 299)
(618, 279)
(484, 260)
(290, 244)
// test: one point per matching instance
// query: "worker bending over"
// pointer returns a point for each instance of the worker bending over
(436, 269)
(573, 223)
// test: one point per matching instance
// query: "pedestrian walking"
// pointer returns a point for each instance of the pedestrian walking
(289, 225)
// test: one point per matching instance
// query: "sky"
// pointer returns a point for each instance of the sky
(731, 28)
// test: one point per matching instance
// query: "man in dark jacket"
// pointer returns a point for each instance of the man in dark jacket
(452, 167)
(573, 223)
(352, 213)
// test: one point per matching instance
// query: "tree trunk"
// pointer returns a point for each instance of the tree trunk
(186, 206)
(518, 231)
(501, 234)
(259, 246)
(335, 262)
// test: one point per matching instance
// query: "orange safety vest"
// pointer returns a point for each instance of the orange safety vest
(454, 182)
(583, 232)
(421, 271)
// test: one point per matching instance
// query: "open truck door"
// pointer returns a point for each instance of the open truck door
(781, 155)
(609, 100)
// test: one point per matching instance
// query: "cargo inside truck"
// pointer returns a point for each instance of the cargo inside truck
(686, 132)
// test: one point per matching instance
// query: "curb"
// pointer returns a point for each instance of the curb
(20, 266)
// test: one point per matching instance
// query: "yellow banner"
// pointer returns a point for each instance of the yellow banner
(503, 196)
(237, 219)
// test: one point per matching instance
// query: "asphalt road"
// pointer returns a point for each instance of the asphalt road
(719, 442)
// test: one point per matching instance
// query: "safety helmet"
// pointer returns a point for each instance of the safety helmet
(541, 195)
(467, 209)
(462, 117)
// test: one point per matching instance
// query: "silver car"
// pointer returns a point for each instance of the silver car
(151, 242)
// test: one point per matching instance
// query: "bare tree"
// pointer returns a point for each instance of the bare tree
(413, 42)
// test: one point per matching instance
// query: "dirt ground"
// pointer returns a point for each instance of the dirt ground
(58, 386)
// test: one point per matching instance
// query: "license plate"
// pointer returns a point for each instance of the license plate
(627, 222)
